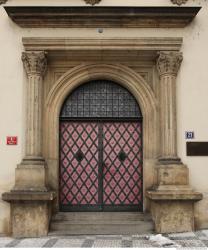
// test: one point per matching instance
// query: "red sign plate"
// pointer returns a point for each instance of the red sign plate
(12, 140)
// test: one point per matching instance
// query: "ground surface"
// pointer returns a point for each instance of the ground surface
(189, 240)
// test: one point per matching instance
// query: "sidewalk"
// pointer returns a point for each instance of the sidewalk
(196, 239)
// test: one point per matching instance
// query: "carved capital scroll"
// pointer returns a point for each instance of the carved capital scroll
(169, 63)
(34, 62)
(92, 2)
(179, 2)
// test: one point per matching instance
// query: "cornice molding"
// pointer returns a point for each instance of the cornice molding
(101, 16)
(102, 44)
(179, 2)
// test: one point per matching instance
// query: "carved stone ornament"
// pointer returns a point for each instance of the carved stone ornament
(92, 2)
(34, 62)
(3, 1)
(179, 2)
(169, 62)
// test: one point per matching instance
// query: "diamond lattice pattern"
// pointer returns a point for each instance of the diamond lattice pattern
(79, 175)
(122, 180)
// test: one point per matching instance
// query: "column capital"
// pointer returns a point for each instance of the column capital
(35, 63)
(168, 63)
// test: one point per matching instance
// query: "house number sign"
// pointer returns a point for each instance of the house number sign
(189, 134)
(12, 140)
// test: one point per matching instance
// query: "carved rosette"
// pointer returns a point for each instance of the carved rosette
(179, 2)
(169, 63)
(35, 63)
(92, 2)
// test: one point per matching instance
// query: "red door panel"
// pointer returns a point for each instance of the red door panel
(78, 164)
(122, 164)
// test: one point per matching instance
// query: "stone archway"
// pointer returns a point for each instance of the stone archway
(125, 77)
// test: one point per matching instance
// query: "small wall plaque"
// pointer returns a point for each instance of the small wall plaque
(12, 140)
(197, 148)
(189, 134)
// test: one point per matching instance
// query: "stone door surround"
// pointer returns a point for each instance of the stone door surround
(37, 176)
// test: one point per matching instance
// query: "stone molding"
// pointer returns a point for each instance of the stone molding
(92, 2)
(101, 16)
(34, 63)
(111, 44)
(169, 63)
(179, 2)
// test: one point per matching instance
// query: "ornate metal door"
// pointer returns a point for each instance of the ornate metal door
(100, 150)
(122, 166)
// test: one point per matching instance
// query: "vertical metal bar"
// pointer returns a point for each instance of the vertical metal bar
(100, 164)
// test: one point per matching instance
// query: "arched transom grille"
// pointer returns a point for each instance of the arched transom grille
(101, 99)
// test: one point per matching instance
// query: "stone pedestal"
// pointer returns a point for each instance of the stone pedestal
(173, 211)
(30, 213)
(172, 200)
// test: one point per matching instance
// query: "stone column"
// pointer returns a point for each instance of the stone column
(30, 174)
(168, 64)
(35, 64)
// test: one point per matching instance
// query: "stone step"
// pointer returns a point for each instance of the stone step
(95, 216)
(101, 223)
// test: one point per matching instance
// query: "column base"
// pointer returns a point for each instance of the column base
(30, 213)
(172, 175)
(173, 211)
(30, 176)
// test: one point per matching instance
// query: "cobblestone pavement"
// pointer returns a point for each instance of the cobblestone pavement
(197, 239)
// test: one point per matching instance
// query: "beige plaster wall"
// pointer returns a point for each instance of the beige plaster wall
(192, 89)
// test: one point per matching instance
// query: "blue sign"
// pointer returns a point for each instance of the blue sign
(189, 134)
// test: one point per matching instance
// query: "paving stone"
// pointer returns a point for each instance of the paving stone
(201, 235)
(127, 243)
(13, 243)
(190, 243)
(205, 242)
(88, 243)
(205, 232)
(107, 243)
(50, 242)
(69, 243)
(109, 237)
(143, 243)
(4, 241)
(33, 242)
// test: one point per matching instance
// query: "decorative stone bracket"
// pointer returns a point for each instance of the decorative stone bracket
(179, 2)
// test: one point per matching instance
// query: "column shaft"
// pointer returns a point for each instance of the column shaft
(35, 66)
(168, 65)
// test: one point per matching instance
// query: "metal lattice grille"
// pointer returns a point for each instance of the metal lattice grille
(122, 176)
(103, 99)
